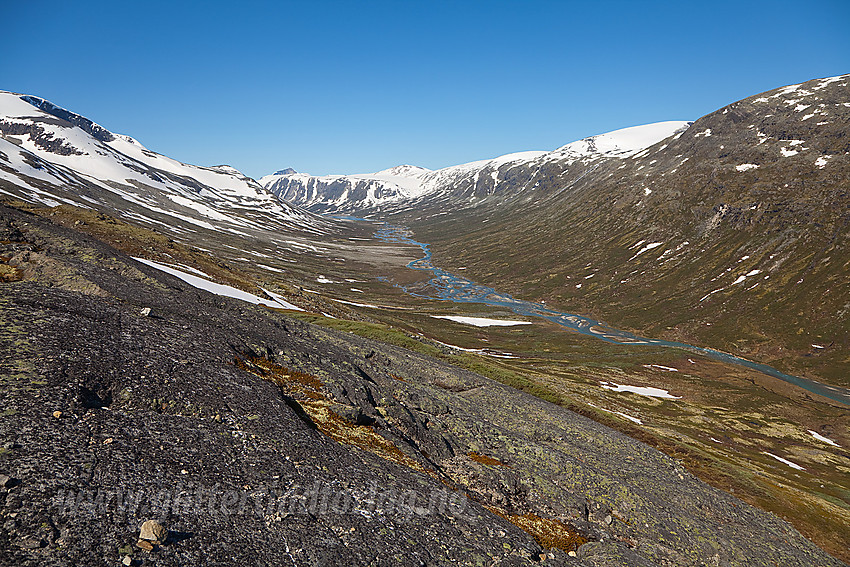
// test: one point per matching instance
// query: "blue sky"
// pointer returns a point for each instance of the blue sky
(352, 87)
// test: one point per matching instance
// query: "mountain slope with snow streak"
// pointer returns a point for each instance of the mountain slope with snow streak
(49, 155)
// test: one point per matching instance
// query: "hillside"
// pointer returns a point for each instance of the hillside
(731, 235)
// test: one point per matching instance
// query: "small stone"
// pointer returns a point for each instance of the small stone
(108, 440)
(32, 543)
(146, 312)
(127, 560)
(57, 414)
(146, 545)
(217, 418)
(153, 531)
(571, 553)
(542, 557)
(609, 519)
(5, 480)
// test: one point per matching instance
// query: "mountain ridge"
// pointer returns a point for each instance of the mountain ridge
(52, 155)
(402, 186)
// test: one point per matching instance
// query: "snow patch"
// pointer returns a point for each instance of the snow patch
(658, 366)
(481, 351)
(621, 414)
(786, 461)
(282, 300)
(481, 321)
(357, 304)
(820, 437)
(649, 246)
(216, 288)
(710, 293)
(201, 208)
(746, 166)
(641, 390)
(826, 82)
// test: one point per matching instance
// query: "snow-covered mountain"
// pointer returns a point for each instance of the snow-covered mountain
(347, 193)
(404, 184)
(51, 156)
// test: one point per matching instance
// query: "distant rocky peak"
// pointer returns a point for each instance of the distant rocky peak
(287, 171)
(226, 169)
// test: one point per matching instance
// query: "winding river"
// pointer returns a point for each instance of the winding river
(446, 286)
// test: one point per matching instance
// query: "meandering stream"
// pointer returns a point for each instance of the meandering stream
(446, 286)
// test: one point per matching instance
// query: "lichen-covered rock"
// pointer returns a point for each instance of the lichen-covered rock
(153, 532)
